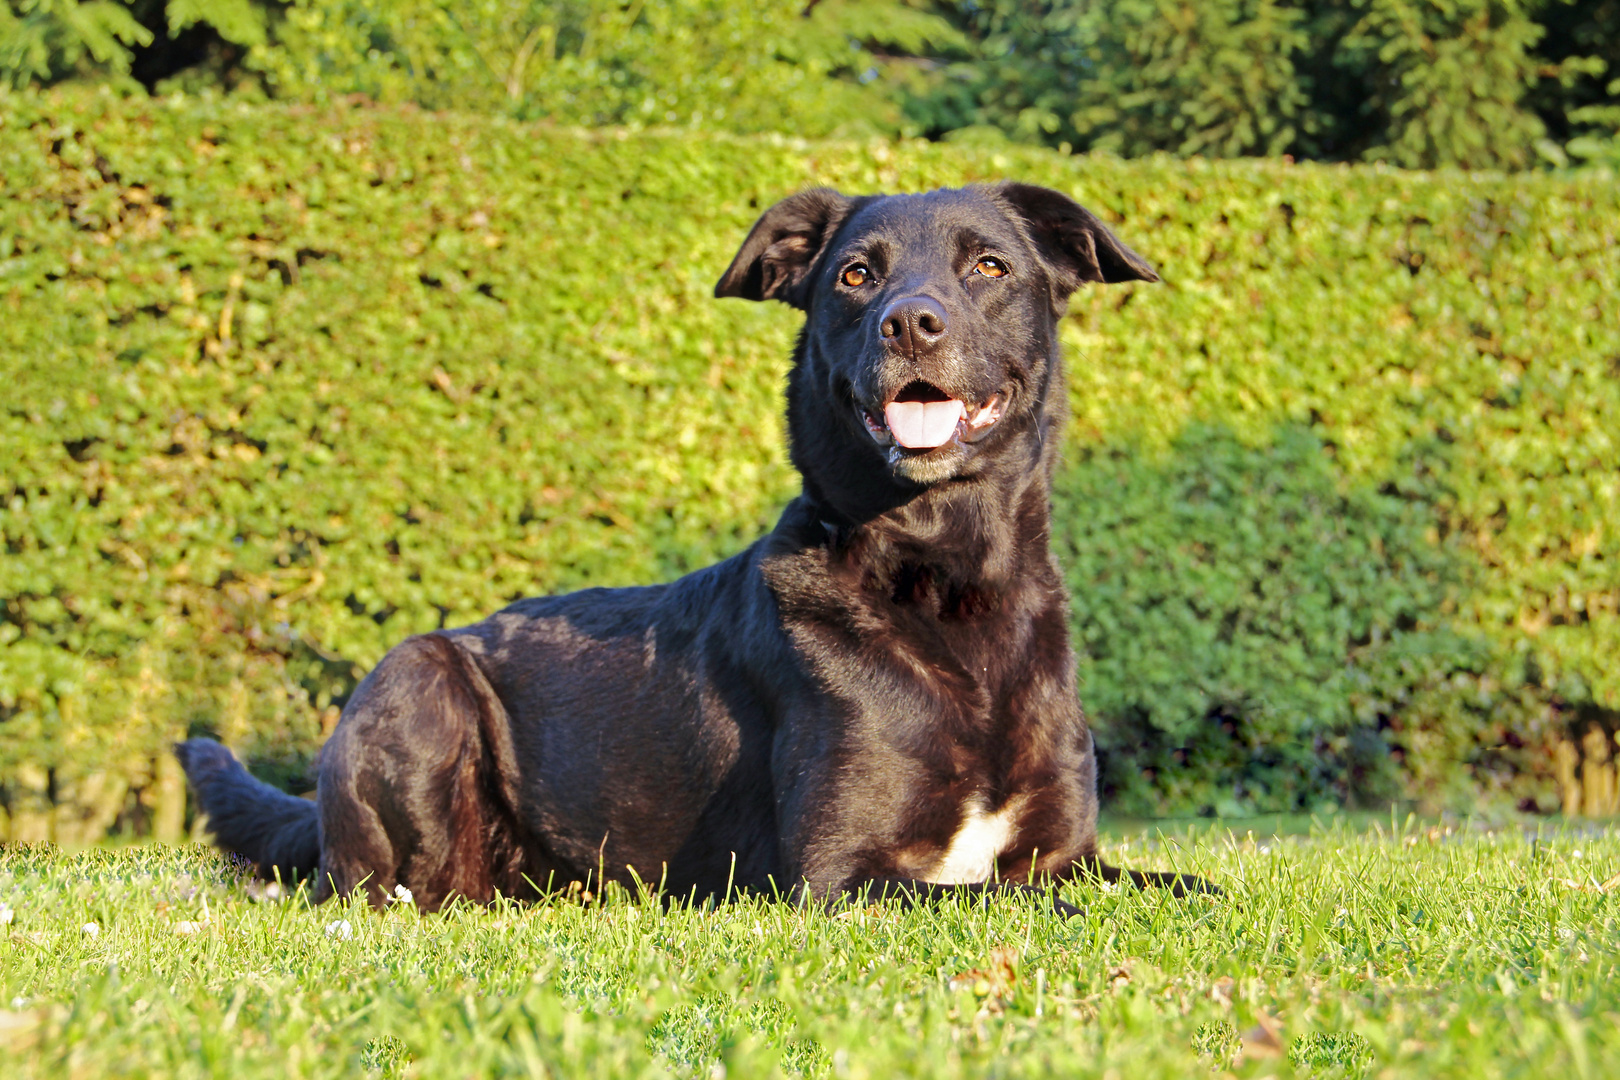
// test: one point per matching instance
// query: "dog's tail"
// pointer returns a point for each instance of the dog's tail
(279, 832)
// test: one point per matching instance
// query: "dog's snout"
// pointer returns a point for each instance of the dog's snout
(915, 324)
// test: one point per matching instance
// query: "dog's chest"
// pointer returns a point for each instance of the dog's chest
(979, 840)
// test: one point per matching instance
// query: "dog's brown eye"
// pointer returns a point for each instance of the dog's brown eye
(990, 266)
(856, 276)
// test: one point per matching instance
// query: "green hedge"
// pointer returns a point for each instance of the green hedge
(1341, 510)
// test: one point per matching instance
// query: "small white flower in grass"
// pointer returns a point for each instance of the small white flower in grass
(402, 895)
(188, 926)
(340, 929)
(264, 892)
(90, 930)
(6, 914)
(1575, 854)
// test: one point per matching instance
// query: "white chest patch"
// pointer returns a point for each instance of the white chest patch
(971, 856)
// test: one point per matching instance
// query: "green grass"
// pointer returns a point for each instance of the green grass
(1401, 949)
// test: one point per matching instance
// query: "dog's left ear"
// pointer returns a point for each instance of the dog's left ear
(1078, 246)
(782, 246)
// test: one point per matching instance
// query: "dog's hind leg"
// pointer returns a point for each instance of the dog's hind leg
(1178, 884)
(418, 784)
(911, 892)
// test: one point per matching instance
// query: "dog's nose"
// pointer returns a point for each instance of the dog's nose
(915, 324)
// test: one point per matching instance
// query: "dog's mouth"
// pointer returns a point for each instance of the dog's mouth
(924, 417)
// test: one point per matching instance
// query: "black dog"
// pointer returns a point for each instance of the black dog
(881, 692)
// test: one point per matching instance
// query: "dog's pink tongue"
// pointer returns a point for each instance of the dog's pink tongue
(923, 425)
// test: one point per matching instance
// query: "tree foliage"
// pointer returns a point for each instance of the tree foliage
(691, 62)
(1590, 100)
(1445, 81)
(1421, 83)
(1417, 83)
(700, 63)
(48, 40)
(1213, 78)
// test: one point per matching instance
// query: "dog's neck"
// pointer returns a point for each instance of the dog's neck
(981, 536)
(985, 532)
(975, 536)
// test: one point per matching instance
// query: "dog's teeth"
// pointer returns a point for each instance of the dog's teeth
(876, 428)
(985, 414)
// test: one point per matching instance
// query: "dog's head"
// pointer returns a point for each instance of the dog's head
(930, 339)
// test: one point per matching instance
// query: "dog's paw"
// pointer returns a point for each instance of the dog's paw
(1193, 885)
(1064, 909)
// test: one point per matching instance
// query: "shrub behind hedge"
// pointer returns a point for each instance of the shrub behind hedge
(285, 385)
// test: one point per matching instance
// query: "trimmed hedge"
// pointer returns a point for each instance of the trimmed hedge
(1341, 511)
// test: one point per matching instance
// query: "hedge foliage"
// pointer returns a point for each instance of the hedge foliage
(1341, 512)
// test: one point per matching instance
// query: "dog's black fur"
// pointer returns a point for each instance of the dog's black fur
(879, 692)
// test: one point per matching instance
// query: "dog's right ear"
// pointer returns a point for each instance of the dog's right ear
(774, 261)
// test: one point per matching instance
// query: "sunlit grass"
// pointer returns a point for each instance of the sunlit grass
(1404, 949)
